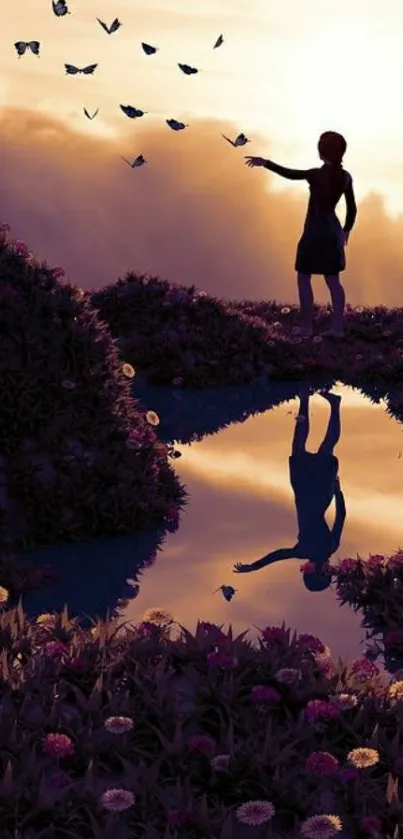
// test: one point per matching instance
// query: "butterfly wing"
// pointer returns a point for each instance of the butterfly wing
(114, 25)
(128, 110)
(34, 47)
(104, 26)
(71, 70)
(148, 49)
(20, 46)
(88, 71)
(218, 42)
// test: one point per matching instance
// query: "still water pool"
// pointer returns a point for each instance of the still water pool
(241, 506)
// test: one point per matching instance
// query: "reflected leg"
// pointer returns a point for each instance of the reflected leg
(332, 435)
(301, 430)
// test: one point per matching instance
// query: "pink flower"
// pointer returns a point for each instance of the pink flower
(312, 642)
(58, 272)
(371, 824)
(275, 635)
(347, 565)
(364, 670)
(55, 649)
(375, 561)
(202, 743)
(307, 568)
(322, 764)
(58, 745)
(4, 227)
(221, 658)
(20, 247)
(265, 693)
(318, 710)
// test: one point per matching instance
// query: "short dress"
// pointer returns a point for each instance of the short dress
(321, 248)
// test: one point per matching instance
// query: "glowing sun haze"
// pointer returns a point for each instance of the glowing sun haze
(286, 71)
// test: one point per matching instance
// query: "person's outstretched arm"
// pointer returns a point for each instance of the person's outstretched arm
(274, 556)
(291, 174)
(337, 528)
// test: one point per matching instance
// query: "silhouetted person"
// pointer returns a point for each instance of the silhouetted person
(321, 247)
(314, 479)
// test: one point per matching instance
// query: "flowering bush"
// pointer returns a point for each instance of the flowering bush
(208, 342)
(375, 587)
(79, 458)
(96, 737)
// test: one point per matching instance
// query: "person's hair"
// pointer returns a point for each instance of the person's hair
(332, 147)
(317, 580)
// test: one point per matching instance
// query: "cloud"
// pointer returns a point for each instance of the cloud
(194, 214)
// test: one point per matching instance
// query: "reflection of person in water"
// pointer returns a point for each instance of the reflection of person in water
(314, 479)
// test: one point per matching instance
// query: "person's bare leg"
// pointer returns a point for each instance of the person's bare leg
(338, 299)
(306, 303)
(333, 432)
(301, 430)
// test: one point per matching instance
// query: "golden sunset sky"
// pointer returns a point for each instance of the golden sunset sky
(286, 72)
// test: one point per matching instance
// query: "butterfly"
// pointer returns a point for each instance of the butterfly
(22, 46)
(219, 41)
(131, 112)
(240, 140)
(148, 49)
(72, 71)
(89, 115)
(228, 591)
(60, 8)
(176, 125)
(112, 28)
(187, 69)
(138, 161)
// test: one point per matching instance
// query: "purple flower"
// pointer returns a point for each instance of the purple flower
(202, 743)
(318, 710)
(20, 247)
(265, 693)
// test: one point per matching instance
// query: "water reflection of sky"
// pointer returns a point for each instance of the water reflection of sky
(241, 506)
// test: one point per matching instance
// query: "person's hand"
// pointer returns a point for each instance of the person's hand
(254, 161)
(241, 568)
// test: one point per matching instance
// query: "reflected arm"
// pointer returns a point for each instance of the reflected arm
(291, 174)
(274, 556)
